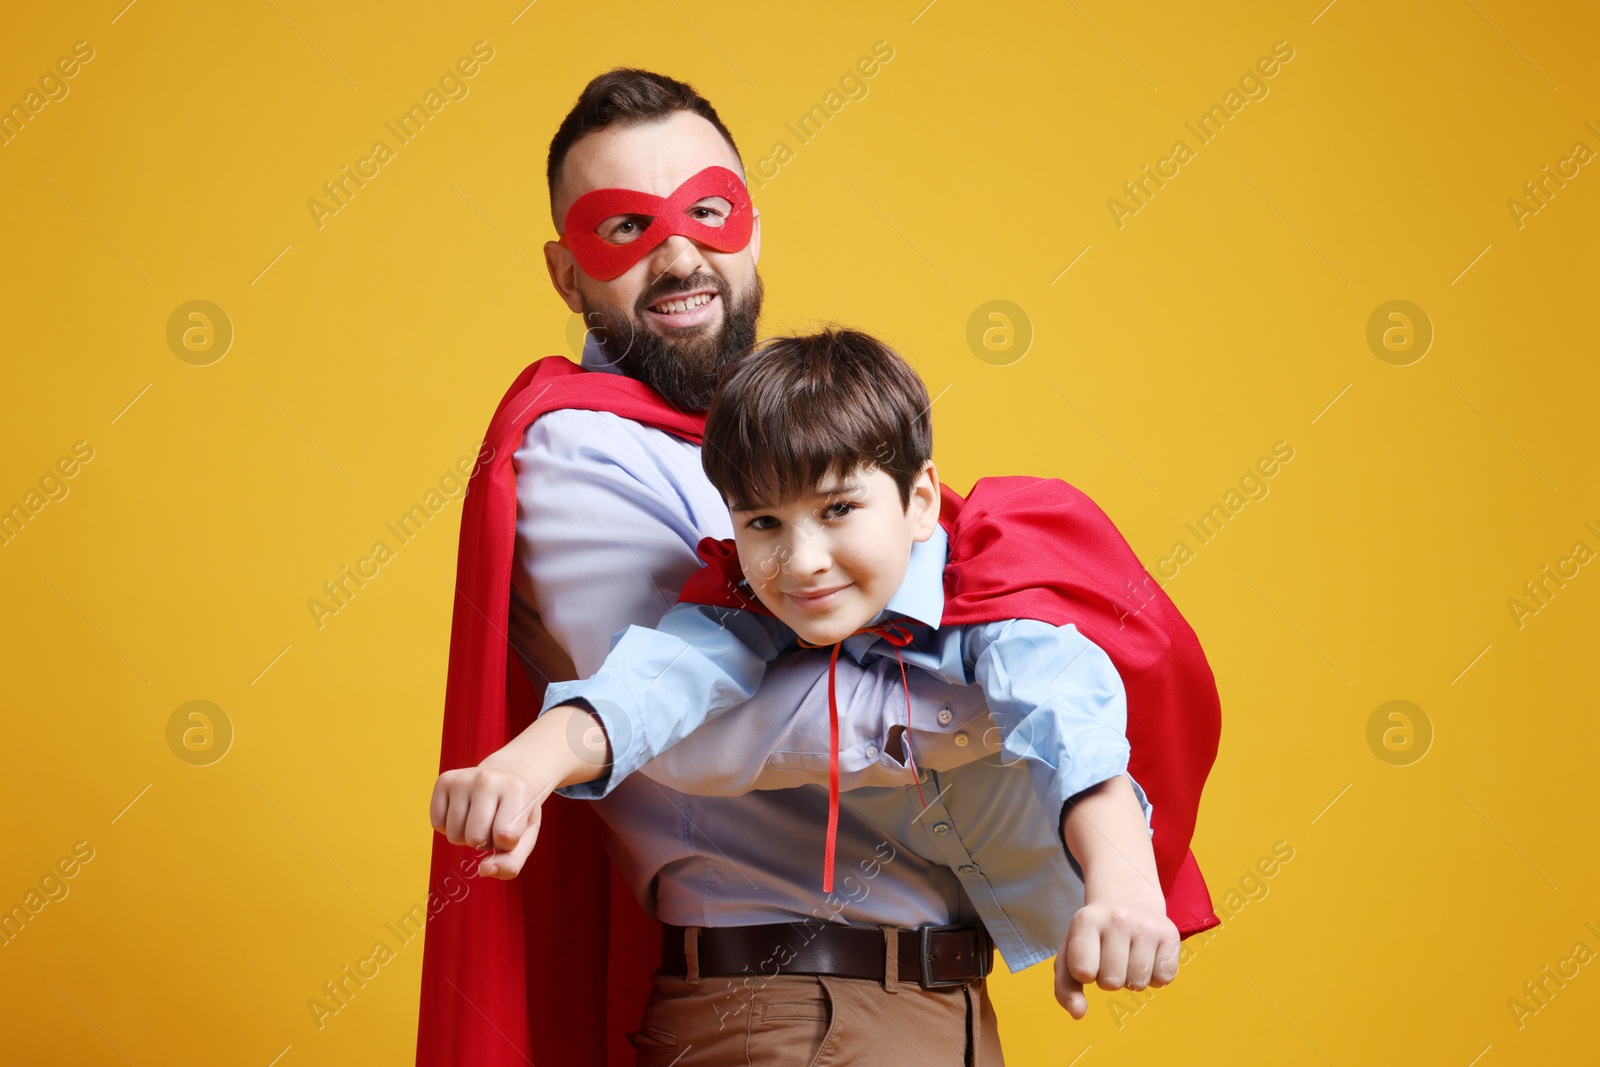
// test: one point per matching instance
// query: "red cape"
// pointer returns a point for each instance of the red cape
(1037, 548)
(482, 1003)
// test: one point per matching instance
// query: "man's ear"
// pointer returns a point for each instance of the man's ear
(755, 235)
(924, 505)
(563, 274)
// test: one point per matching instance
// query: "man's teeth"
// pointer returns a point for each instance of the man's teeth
(678, 307)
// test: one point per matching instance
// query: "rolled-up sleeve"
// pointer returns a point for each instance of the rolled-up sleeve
(1059, 704)
(659, 684)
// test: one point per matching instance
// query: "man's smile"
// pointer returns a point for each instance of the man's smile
(685, 310)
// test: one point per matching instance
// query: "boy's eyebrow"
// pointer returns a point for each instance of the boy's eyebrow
(838, 489)
(841, 489)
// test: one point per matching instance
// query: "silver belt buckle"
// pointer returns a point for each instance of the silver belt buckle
(925, 957)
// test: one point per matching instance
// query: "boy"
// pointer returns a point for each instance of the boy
(821, 447)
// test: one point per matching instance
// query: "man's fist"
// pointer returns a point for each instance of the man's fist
(489, 806)
(1115, 947)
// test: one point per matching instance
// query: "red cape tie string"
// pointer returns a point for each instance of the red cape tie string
(898, 637)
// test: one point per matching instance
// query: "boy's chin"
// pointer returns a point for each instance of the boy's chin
(832, 632)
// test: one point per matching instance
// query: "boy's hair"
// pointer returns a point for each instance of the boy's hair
(626, 96)
(800, 409)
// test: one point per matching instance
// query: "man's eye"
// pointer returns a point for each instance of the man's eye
(712, 211)
(624, 228)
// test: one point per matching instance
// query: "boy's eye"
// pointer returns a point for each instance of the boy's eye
(762, 522)
(838, 511)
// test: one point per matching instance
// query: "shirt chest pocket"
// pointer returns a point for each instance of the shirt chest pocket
(859, 766)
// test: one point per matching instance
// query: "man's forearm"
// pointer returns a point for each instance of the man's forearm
(1106, 832)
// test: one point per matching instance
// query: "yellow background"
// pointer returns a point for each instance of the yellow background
(1228, 314)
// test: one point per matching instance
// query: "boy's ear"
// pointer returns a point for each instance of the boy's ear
(924, 504)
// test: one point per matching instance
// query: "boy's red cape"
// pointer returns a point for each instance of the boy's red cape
(563, 951)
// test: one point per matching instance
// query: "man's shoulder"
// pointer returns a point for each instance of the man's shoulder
(574, 449)
(598, 434)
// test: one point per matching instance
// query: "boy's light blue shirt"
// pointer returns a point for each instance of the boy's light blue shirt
(1055, 699)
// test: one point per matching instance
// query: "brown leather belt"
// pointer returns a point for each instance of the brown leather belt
(935, 956)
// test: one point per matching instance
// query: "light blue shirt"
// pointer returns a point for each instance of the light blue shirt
(1055, 699)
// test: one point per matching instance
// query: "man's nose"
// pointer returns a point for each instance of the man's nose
(677, 256)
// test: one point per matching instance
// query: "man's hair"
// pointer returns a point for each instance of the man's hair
(625, 96)
(813, 406)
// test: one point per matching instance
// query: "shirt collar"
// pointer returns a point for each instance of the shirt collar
(921, 594)
(595, 358)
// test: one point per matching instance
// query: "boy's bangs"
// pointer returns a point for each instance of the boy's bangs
(781, 457)
(804, 412)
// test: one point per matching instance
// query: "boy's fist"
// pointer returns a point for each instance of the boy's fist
(1115, 947)
(489, 806)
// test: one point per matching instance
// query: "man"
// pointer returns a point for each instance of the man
(609, 511)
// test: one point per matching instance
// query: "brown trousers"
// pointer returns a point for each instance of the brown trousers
(797, 1020)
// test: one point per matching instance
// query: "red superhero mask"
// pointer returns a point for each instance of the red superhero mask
(602, 260)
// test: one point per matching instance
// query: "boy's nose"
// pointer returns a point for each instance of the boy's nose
(807, 554)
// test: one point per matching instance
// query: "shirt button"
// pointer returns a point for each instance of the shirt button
(923, 777)
(966, 868)
(872, 751)
(941, 828)
(945, 716)
(961, 740)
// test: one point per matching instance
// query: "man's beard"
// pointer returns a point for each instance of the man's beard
(684, 371)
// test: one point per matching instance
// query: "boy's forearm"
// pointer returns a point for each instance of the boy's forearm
(564, 746)
(1105, 829)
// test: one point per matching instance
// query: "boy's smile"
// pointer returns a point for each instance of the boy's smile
(827, 561)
